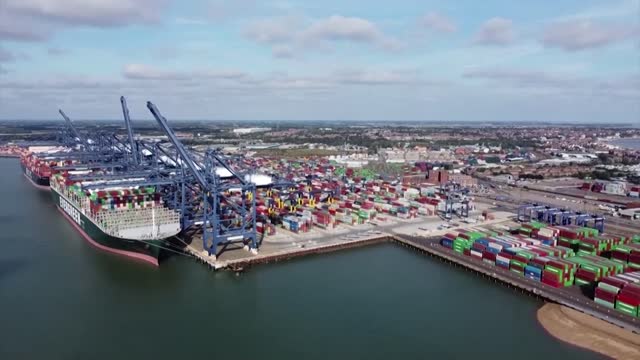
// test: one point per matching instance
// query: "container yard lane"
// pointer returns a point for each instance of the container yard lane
(561, 296)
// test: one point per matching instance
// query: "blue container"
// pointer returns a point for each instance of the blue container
(446, 242)
(503, 243)
(495, 251)
(532, 276)
(532, 269)
(502, 263)
(511, 251)
(538, 266)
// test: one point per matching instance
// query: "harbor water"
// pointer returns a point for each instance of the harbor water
(628, 143)
(61, 298)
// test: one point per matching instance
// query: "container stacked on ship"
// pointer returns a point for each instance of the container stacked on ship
(130, 221)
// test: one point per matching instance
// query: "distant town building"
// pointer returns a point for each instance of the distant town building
(243, 131)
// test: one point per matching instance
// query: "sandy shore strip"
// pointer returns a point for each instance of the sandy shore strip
(588, 332)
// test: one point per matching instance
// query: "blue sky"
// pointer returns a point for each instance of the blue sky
(467, 60)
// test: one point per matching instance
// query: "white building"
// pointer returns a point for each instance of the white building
(243, 131)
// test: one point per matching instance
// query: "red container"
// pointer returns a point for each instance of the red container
(478, 247)
(586, 275)
(634, 258)
(620, 255)
(539, 261)
(619, 283)
(564, 243)
(551, 282)
(557, 264)
(628, 299)
(516, 267)
(506, 254)
(632, 289)
(549, 275)
(605, 295)
(489, 255)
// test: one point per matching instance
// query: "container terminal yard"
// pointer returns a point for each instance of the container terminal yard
(139, 199)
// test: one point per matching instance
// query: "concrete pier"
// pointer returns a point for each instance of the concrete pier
(562, 296)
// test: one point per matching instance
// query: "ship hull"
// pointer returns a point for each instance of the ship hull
(147, 251)
(39, 182)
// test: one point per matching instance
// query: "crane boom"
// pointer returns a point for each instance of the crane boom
(70, 124)
(181, 150)
(127, 122)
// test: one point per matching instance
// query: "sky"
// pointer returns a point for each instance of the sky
(357, 60)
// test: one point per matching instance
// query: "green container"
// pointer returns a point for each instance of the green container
(581, 282)
(537, 225)
(627, 309)
(607, 287)
(553, 270)
(604, 303)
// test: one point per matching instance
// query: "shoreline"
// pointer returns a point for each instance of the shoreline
(587, 332)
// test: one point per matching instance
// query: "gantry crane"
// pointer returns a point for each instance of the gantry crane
(228, 211)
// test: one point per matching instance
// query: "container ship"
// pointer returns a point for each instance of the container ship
(36, 167)
(129, 221)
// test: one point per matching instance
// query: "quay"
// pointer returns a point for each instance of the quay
(569, 297)
(239, 260)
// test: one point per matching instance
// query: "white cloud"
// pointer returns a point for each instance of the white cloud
(283, 52)
(338, 28)
(382, 77)
(148, 72)
(141, 71)
(244, 80)
(189, 21)
(290, 35)
(36, 20)
(496, 31)
(578, 35)
(274, 31)
(89, 12)
(438, 22)
(608, 10)
(546, 81)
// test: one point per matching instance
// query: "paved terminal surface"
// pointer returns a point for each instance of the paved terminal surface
(613, 225)
(286, 244)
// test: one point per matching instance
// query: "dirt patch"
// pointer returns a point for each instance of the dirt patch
(588, 332)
